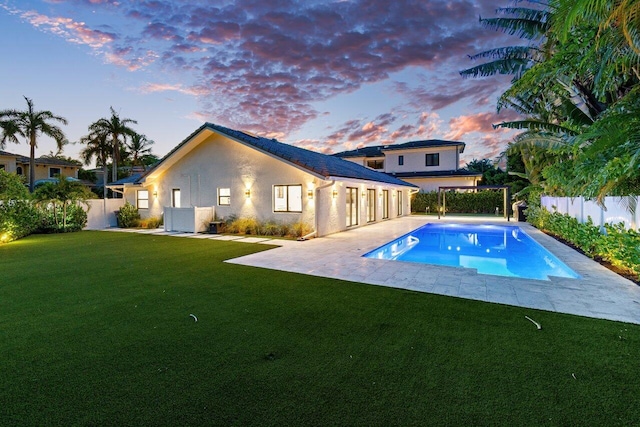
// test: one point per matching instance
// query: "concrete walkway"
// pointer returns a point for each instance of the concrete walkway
(600, 293)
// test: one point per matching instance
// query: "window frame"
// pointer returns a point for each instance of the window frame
(221, 196)
(385, 204)
(142, 199)
(287, 196)
(400, 207)
(434, 157)
(401, 160)
(53, 175)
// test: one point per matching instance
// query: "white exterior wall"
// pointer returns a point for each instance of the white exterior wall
(332, 212)
(219, 162)
(414, 159)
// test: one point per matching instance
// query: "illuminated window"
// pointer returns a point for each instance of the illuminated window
(175, 197)
(287, 198)
(399, 203)
(142, 200)
(224, 196)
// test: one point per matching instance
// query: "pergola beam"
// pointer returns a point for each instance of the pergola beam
(506, 191)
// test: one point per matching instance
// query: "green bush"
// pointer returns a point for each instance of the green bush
(128, 216)
(19, 217)
(619, 246)
(72, 218)
(482, 202)
(236, 225)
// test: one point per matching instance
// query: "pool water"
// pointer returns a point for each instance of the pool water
(490, 249)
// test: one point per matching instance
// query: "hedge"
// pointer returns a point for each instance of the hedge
(617, 245)
(482, 202)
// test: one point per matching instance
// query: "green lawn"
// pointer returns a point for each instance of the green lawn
(95, 329)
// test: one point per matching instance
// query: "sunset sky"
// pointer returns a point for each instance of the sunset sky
(323, 75)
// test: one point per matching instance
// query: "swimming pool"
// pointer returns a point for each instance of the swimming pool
(490, 249)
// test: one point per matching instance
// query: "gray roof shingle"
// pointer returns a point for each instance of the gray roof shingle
(318, 163)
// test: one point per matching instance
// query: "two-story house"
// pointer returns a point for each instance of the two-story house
(428, 164)
(45, 167)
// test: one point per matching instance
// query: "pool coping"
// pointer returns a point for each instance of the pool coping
(599, 293)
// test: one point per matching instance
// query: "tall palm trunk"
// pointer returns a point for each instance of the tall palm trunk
(32, 161)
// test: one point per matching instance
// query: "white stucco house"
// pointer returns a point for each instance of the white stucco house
(217, 172)
(428, 164)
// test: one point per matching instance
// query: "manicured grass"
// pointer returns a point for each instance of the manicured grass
(95, 329)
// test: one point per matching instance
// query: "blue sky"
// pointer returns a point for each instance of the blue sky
(327, 76)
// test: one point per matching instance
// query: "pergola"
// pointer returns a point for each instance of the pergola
(506, 190)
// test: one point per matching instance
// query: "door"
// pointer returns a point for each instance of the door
(371, 205)
(352, 206)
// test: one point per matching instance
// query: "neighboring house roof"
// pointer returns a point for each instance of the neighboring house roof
(40, 160)
(432, 174)
(378, 150)
(317, 163)
(128, 180)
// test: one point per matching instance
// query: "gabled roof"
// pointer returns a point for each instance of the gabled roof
(378, 150)
(317, 163)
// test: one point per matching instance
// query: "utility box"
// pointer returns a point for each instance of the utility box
(215, 227)
(518, 210)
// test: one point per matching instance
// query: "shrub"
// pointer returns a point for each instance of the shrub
(299, 229)
(72, 218)
(236, 225)
(619, 246)
(482, 202)
(153, 222)
(128, 216)
(243, 226)
(18, 216)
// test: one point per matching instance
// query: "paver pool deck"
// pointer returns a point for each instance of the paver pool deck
(600, 293)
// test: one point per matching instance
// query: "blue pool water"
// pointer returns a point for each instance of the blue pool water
(491, 249)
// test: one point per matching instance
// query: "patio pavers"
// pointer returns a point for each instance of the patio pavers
(600, 293)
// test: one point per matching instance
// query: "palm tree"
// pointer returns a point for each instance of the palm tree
(29, 124)
(98, 147)
(139, 147)
(115, 127)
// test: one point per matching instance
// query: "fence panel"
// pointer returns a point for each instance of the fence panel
(616, 209)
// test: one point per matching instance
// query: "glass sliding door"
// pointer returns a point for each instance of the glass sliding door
(385, 204)
(371, 205)
(352, 206)
(399, 203)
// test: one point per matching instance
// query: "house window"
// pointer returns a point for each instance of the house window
(400, 160)
(142, 199)
(53, 172)
(2, 167)
(18, 170)
(433, 159)
(287, 198)
(175, 197)
(375, 164)
(385, 204)
(224, 196)
(399, 203)
(352, 206)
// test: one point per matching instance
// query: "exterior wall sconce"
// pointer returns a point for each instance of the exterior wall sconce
(247, 193)
(155, 193)
(364, 194)
(310, 194)
(335, 193)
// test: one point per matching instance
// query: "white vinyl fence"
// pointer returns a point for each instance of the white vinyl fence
(616, 210)
(102, 213)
